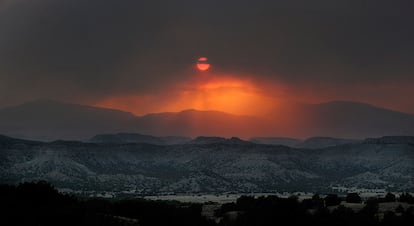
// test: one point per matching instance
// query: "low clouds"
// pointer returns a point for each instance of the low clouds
(87, 51)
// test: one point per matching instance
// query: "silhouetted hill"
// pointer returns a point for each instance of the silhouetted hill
(50, 120)
(217, 140)
(291, 142)
(390, 140)
(175, 139)
(349, 119)
(323, 142)
(208, 140)
(9, 141)
(138, 138)
(126, 138)
(199, 123)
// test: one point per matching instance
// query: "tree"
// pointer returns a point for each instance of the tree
(406, 197)
(371, 207)
(316, 197)
(353, 198)
(332, 200)
(389, 197)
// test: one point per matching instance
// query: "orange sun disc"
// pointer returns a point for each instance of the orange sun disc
(202, 64)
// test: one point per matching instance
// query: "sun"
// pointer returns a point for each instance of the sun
(203, 64)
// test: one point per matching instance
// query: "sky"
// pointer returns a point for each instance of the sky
(140, 56)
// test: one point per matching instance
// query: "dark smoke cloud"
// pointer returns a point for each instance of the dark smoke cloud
(80, 50)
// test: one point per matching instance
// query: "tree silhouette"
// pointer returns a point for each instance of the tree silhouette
(353, 198)
(40, 204)
(332, 200)
(389, 197)
(406, 197)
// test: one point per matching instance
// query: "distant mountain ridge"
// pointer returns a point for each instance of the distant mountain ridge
(51, 120)
(323, 142)
(312, 142)
(208, 165)
(345, 119)
(121, 138)
(391, 140)
(287, 141)
(218, 140)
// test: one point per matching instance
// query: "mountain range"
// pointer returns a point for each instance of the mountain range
(129, 138)
(51, 120)
(209, 165)
(125, 138)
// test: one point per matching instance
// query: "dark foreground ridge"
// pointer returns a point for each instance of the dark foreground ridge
(40, 204)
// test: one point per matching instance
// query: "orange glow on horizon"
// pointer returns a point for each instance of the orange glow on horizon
(218, 93)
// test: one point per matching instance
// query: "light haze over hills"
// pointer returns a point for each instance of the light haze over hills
(51, 120)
